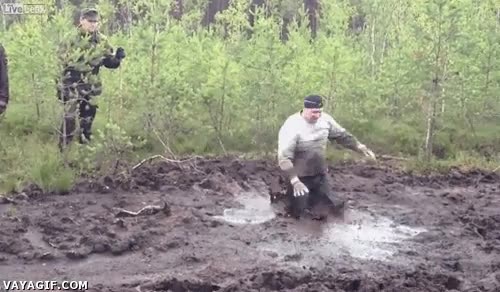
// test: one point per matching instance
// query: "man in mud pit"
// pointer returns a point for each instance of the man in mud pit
(81, 58)
(4, 81)
(301, 154)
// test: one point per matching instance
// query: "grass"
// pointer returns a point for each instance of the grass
(29, 153)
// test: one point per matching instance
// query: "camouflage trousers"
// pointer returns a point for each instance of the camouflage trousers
(81, 110)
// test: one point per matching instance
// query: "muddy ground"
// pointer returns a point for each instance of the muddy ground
(213, 229)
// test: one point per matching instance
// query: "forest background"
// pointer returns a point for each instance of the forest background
(416, 80)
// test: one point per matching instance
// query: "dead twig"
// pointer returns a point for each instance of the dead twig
(147, 210)
(7, 200)
(52, 245)
(171, 153)
(167, 148)
(164, 159)
(393, 157)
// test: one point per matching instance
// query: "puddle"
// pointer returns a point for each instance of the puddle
(361, 235)
(257, 210)
(365, 236)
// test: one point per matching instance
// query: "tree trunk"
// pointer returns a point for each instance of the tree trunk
(312, 9)
(177, 9)
(431, 121)
(213, 7)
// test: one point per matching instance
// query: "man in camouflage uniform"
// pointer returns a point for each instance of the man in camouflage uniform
(81, 58)
(302, 145)
(4, 81)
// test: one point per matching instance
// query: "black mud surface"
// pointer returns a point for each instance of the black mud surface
(179, 243)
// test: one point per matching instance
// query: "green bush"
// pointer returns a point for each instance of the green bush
(229, 87)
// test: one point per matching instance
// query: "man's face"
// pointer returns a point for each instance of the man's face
(90, 24)
(311, 114)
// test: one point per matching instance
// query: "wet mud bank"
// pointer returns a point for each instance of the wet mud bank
(209, 225)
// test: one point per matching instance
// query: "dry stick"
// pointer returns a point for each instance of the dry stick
(163, 158)
(147, 210)
(167, 148)
(148, 159)
(221, 144)
(394, 157)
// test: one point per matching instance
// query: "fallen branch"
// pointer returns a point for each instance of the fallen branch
(393, 157)
(147, 160)
(164, 159)
(7, 200)
(148, 210)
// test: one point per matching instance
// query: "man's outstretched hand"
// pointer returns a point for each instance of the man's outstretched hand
(367, 152)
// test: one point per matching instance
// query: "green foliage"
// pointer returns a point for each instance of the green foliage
(229, 87)
(47, 170)
(110, 146)
(25, 159)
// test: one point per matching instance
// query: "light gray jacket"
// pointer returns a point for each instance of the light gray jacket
(302, 145)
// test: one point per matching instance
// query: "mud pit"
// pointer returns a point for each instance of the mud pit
(218, 232)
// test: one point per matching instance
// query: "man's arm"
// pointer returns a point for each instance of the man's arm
(346, 139)
(342, 136)
(112, 61)
(287, 141)
(4, 80)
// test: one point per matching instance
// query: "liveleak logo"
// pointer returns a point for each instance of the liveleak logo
(22, 8)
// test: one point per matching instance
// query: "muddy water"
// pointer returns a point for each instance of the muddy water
(256, 210)
(366, 236)
(362, 235)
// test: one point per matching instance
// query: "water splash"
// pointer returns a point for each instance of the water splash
(361, 235)
(257, 210)
(366, 236)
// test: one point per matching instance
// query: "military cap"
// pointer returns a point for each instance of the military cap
(89, 13)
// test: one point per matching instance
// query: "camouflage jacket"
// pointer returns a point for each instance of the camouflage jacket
(81, 58)
(4, 79)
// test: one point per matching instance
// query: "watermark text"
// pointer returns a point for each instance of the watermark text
(44, 285)
(23, 8)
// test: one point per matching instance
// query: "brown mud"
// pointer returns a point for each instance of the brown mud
(212, 228)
